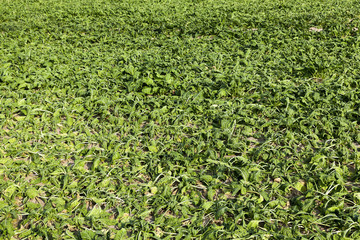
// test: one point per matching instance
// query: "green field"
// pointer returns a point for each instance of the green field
(202, 119)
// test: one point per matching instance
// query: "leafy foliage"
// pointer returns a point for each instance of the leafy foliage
(179, 119)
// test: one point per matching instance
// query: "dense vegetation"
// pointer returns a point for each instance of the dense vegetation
(179, 119)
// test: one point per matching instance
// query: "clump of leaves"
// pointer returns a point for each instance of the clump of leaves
(192, 119)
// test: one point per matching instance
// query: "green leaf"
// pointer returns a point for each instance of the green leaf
(87, 234)
(300, 186)
(32, 205)
(148, 81)
(206, 178)
(220, 212)
(3, 204)
(32, 193)
(147, 90)
(9, 191)
(153, 190)
(121, 235)
(253, 224)
(96, 212)
(153, 148)
(247, 131)
(59, 203)
(206, 205)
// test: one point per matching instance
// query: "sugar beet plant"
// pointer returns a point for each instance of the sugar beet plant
(140, 119)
